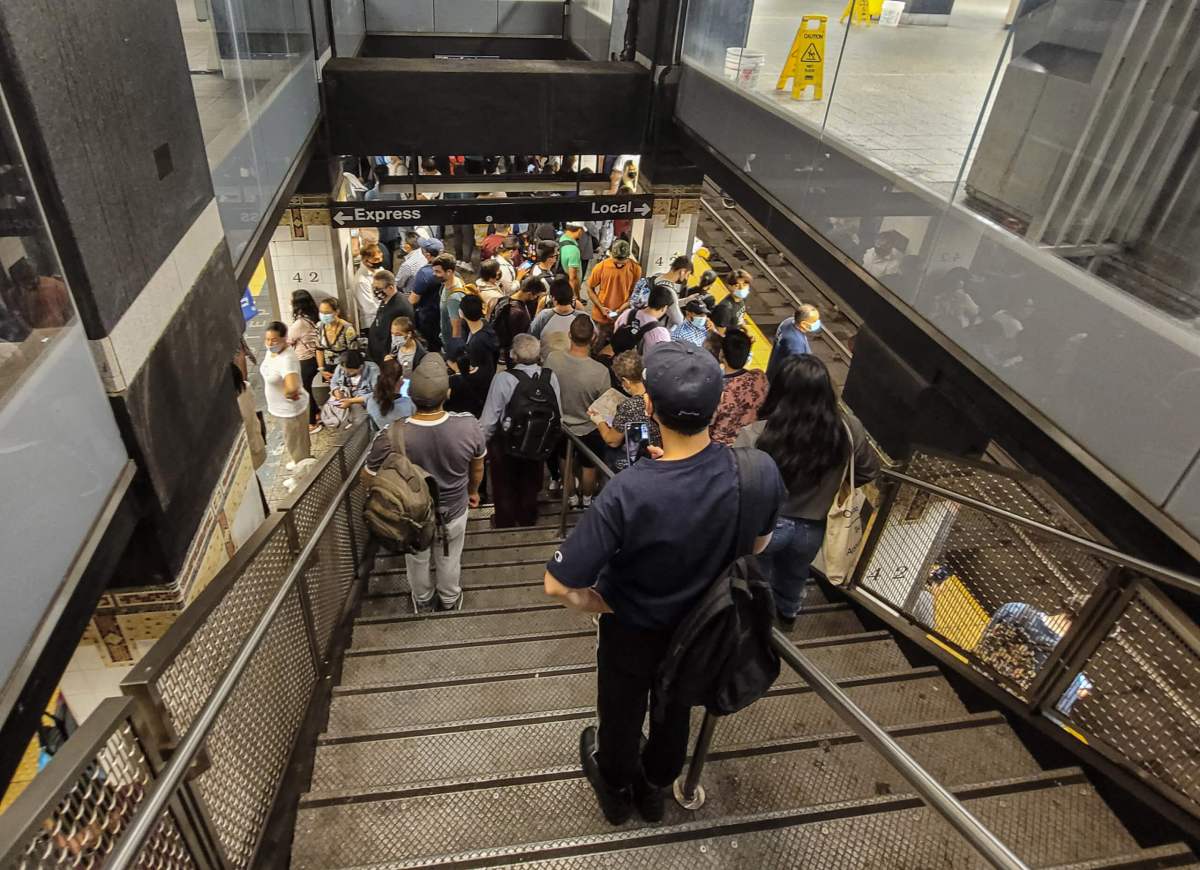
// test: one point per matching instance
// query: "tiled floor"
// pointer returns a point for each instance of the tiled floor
(909, 97)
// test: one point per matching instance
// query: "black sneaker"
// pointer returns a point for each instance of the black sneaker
(650, 800)
(442, 606)
(786, 624)
(615, 803)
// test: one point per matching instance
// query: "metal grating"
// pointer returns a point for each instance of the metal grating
(997, 591)
(306, 513)
(1139, 693)
(189, 677)
(329, 577)
(86, 824)
(252, 738)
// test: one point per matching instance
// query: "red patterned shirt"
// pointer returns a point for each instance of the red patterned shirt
(744, 393)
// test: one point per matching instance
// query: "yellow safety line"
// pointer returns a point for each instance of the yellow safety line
(760, 351)
(949, 649)
(259, 279)
(1073, 733)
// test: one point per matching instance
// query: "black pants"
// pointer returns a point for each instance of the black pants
(627, 662)
(308, 371)
(515, 487)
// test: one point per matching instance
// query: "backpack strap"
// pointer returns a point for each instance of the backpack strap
(750, 467)
(522, 377)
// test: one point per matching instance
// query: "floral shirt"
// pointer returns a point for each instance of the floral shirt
(344, 338)
(630, 412)
(744, 393)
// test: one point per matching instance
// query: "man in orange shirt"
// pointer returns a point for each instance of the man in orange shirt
(611, 284)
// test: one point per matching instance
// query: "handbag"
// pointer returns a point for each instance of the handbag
(843, 527)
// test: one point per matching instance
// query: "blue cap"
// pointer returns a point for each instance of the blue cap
(431, 246)
(684, 381)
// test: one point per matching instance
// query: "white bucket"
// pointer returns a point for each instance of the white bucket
(892, 10)
(743, 65)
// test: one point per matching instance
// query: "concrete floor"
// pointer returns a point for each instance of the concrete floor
(909, 97)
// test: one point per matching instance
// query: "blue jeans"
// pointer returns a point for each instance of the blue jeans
(788, 558)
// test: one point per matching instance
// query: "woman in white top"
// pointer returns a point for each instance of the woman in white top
(287, 400)
(302, 338)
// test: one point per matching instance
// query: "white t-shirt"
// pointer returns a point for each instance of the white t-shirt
(364, 296)
(274, 368)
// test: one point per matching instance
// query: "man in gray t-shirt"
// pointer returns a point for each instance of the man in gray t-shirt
(581, 381)
(450, 448)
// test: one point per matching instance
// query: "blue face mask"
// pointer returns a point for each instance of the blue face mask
(328, 318)
(741, 292)
(700, 321)
(815, 326)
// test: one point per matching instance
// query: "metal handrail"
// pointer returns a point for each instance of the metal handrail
(937, 796)
(126, 854)
(574, 442)
(1158, 572)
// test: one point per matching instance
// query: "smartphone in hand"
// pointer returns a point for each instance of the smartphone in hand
(637, 441)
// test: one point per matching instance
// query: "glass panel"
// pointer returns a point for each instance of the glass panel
(1031, 192)
(349, 26)
(256, 94)
(61, 449)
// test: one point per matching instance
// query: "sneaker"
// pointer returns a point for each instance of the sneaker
(443, 607)
(315, 428)
(786, 624)
(573, 501)
(429, 606)
(587, 501)
(290, 465)
(615, 803)
(555, 485)
(289, 484)
(650, 800)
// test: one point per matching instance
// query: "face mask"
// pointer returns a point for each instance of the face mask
(700, 321)
(328, 318)
(277, 348)
(354, 379)
(741, 292)
(815, 326)
(398, 342)
(378, 293)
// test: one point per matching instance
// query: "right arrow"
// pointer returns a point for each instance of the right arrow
(643, 209)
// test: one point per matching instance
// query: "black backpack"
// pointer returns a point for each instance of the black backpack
(532, 423)
(631, 334)
(501, 325)
(721, 656)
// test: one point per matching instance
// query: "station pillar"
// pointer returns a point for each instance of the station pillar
(671, 230)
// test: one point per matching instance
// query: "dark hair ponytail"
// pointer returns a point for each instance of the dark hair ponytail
(387, 385)
(804, 432)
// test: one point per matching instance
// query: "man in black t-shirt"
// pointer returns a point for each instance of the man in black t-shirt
(643, 562)
(393, 305)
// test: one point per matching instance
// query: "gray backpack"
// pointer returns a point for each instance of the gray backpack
(402, 501)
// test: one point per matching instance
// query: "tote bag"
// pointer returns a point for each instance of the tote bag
(844, 526)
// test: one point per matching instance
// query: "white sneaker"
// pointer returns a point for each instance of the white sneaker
(289, 484)
(573, 501)
(290, 466)
(555, 486)
(587, 501)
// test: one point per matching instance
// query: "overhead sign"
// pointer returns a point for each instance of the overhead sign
(805, 64)
(410, 212)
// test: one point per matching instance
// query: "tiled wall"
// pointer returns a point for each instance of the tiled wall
(302, 256)
(668, 234)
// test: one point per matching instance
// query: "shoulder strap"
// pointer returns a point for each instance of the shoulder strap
(544, 377)
(395, 433)
(522, 377)
(748, 464)
(848, 474)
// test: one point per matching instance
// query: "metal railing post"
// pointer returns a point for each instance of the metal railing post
(568, 474)
(689, 794)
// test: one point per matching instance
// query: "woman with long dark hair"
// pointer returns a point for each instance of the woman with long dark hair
(385, 404)
(802, 428)
(302, 338)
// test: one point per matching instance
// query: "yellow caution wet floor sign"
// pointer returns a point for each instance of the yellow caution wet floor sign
(858, 11)
(805, 64)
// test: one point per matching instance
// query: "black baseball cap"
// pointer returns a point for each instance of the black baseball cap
(684, 381)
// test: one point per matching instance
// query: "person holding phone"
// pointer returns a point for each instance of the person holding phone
(631, 429)
(389, 400)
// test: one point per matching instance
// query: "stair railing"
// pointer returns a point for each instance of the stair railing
(183, 772)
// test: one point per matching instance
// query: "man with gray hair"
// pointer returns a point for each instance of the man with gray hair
(516, 482)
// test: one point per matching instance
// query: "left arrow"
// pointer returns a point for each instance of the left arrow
(339, 217)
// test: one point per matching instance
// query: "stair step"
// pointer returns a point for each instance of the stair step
(867, 653)
(511, 537)
(388, 607)
(785, 716)
(507, 575)
(1037, 820)
(464, 628)
(547, 507)
(515, 554)
(514, 815)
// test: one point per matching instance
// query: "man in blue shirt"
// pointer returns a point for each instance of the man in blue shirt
(425, 294)
(791, 338)
(644, 563)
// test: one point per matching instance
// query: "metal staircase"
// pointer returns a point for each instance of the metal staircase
(452, 740)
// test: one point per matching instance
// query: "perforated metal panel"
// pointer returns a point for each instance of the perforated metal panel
(329, 577)
(254, 733)
(192, 673)
(312, 504)
(86, 824)
(1139, 693)
(1002, 594)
